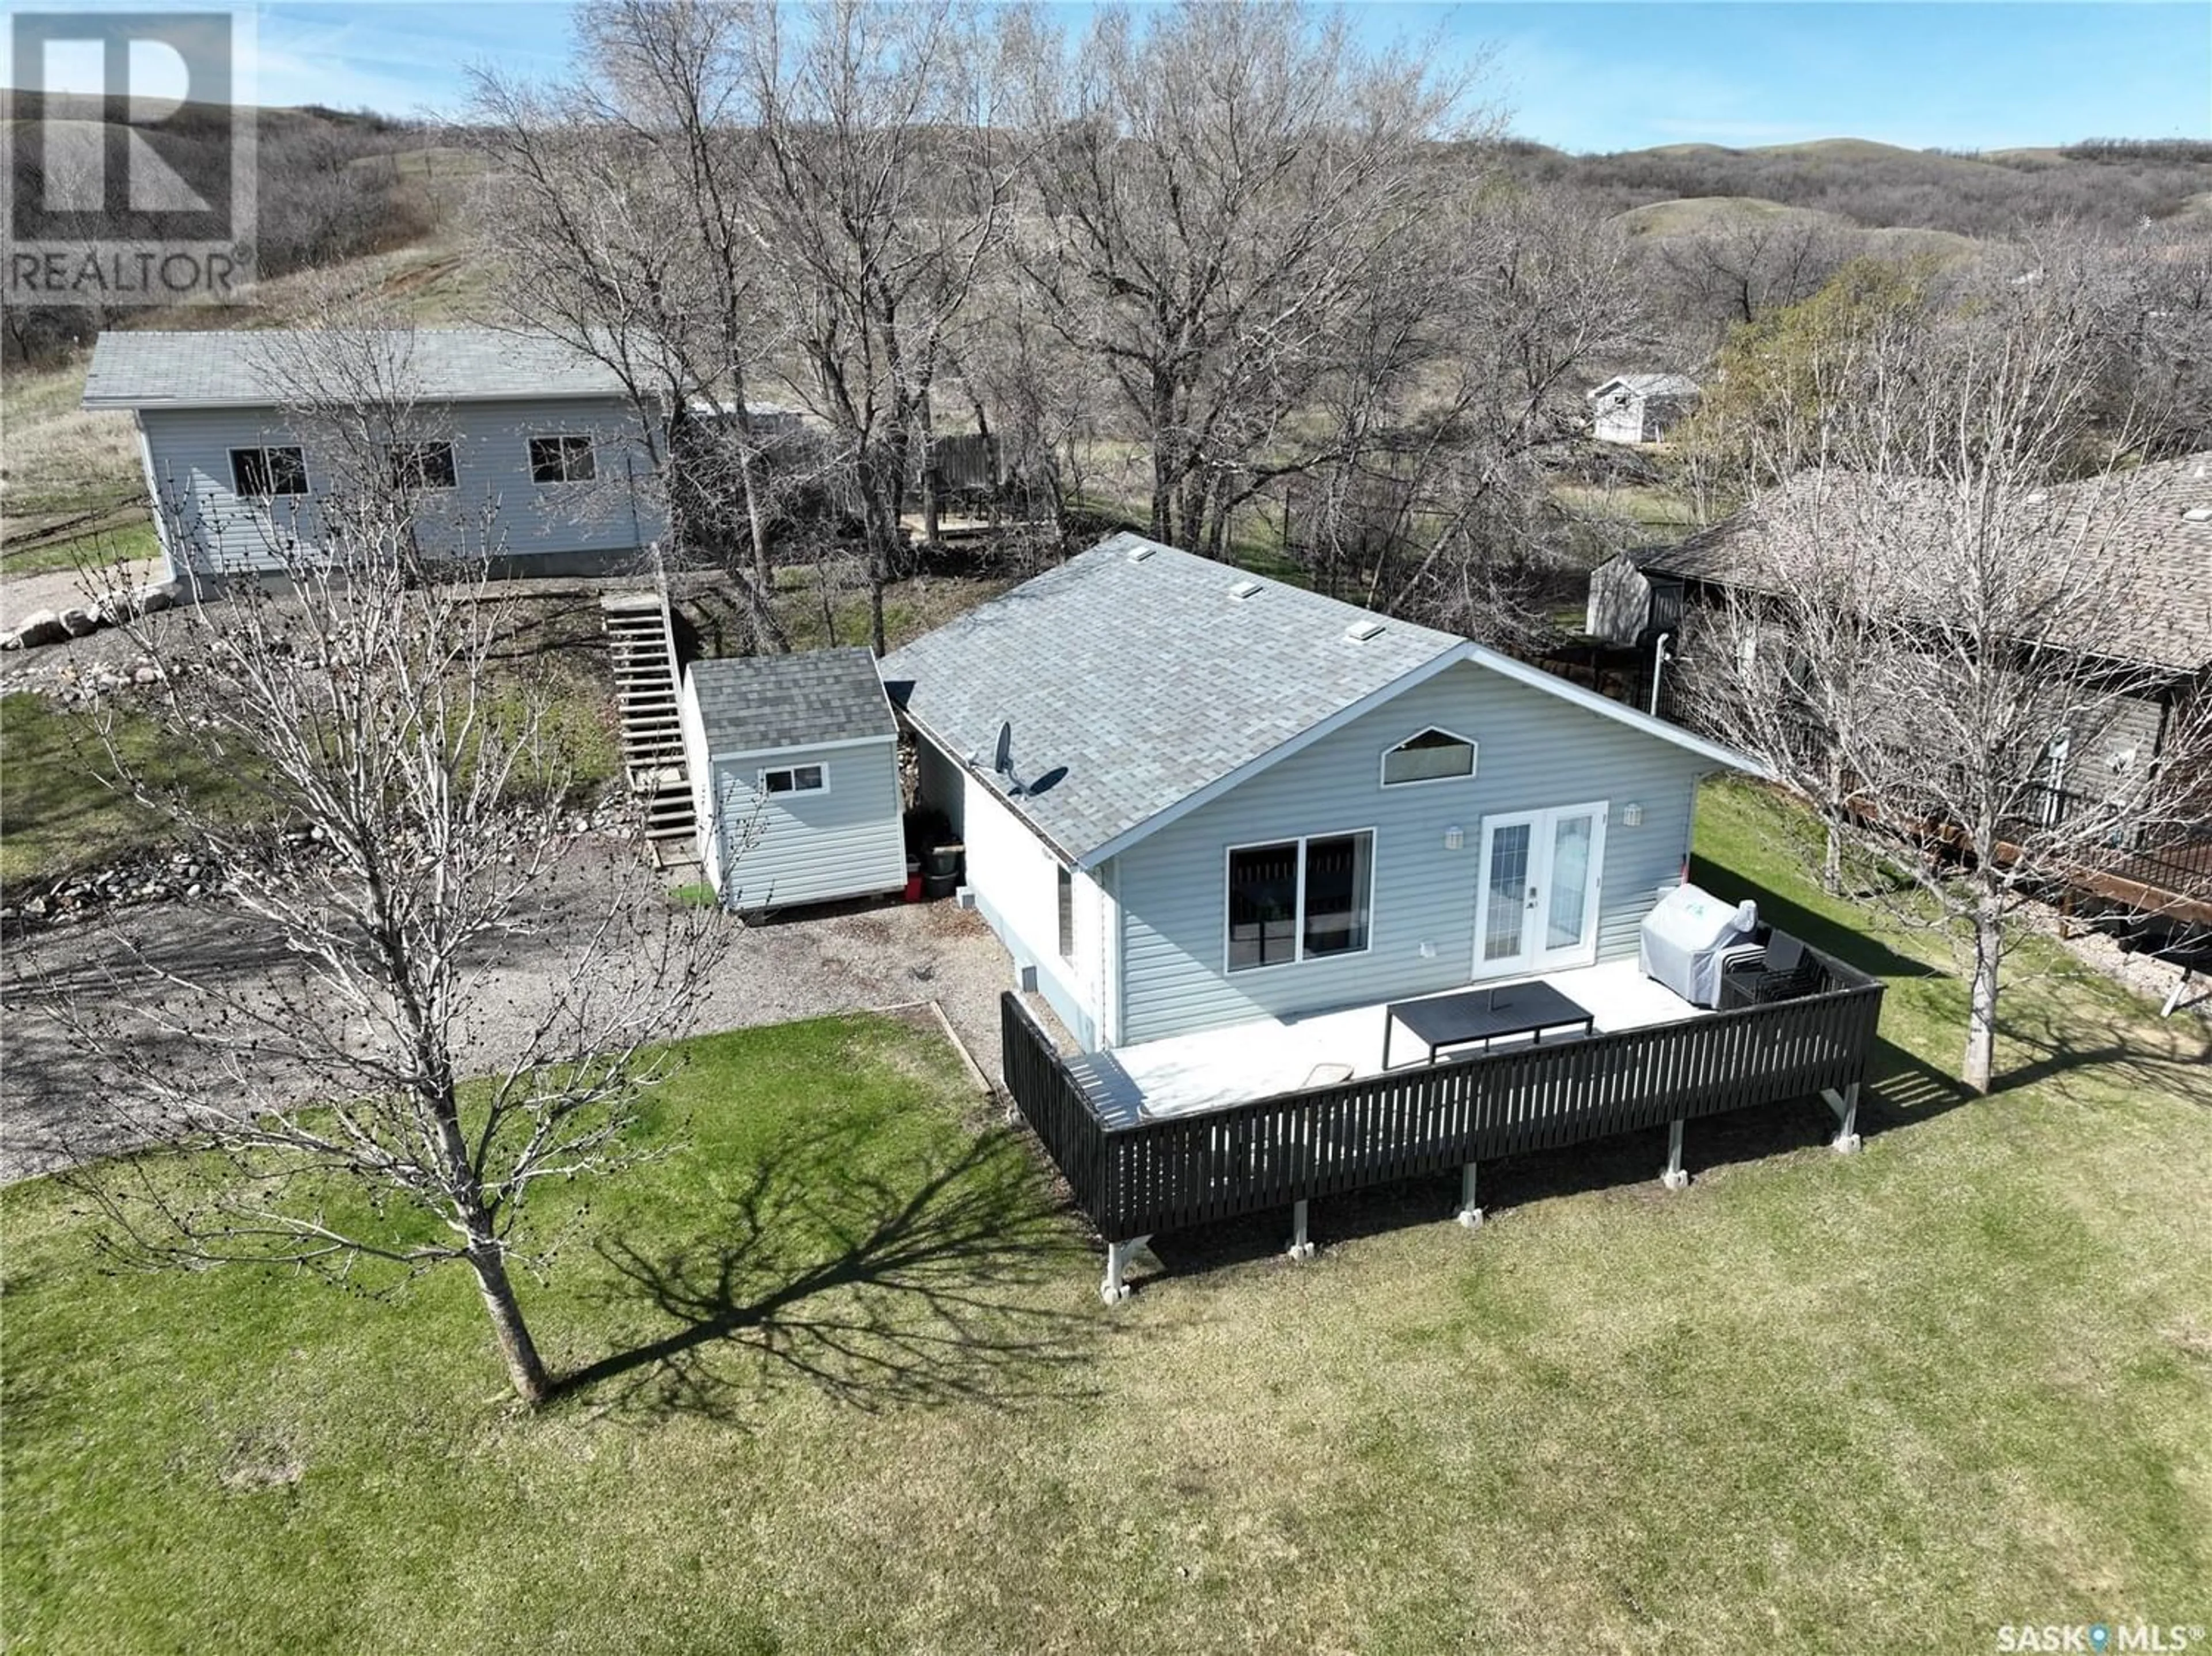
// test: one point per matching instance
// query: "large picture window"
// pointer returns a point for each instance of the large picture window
(1299, 900)
(259, 472)
(560, 460)
(1434, 756)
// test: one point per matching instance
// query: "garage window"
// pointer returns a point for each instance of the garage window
(259, 472)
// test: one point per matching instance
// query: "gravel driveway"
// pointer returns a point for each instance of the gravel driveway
(855, 957)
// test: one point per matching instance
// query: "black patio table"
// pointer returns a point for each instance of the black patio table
(1484, 1015)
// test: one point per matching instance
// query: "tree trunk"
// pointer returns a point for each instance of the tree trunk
(520, 1351)
(1982, 1007)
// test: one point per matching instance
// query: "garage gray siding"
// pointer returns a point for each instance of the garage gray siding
(188, 460)
(844, 841)
(1534, 751)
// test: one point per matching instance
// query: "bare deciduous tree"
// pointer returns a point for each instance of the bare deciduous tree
(396, 816)
(1215, 192)
(1939, 639)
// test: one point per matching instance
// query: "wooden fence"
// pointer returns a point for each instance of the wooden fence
(1162, 1174)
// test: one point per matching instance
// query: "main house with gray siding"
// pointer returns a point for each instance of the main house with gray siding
(1224, 798)
(508, 445)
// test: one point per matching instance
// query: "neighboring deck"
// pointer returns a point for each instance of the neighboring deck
(1135, 1175)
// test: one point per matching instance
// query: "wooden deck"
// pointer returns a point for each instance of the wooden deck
(1136, 1179)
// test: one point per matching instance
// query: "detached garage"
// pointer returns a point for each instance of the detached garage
(794, 771)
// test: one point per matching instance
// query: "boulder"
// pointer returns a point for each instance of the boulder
(156, 596)
(41, 627)
(78, 620)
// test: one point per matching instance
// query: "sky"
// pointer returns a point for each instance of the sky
(1604, 75)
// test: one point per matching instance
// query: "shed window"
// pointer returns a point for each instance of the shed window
(265, 471)
(423, 465)
(560, 460)
(1434, 756)
(1300, 900)
(1066, 915)
(794, 778)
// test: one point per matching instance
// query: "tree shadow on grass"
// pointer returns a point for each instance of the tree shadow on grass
(1829, 937)
(921, 1284)
(2067, 1047)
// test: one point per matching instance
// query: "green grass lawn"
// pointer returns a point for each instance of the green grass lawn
(847, 1386)
(56, 815)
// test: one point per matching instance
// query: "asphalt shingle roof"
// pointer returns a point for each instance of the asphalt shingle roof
(1145, 680)
(1650, 384)
(2153, 526)
(758, 704)
(252, 369)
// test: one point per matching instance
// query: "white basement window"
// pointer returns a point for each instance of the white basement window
(795, 778)
(560, 460)
(1433, 756)
(1300, 900)
(264, 471)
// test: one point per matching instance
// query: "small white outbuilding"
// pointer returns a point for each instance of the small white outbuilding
(1639, 408)
(794, 771)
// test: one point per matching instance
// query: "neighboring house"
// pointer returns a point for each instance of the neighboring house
(2156, 532)
(794, 762)
(1640, 408)
(511, 444)
(1228, 799)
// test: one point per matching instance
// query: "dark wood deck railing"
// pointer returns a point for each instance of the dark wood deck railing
(1162, 1174)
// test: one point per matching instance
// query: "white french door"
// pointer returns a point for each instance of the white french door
(1537, 908)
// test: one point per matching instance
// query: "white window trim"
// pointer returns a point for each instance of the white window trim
(591, 447)
(1382, 760)
(307, 483)
(1301, 841)
(760, 778)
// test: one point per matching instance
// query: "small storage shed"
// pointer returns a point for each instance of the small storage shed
(794, 771)
(1640, 408)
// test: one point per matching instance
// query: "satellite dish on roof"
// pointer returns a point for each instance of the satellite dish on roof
(1003, 759)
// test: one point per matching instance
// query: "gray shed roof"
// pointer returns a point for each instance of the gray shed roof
(763, 704)
(257, 368)
(1147, 680)
(1648, 384)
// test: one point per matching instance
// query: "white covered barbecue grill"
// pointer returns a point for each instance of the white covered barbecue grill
(1690, 938)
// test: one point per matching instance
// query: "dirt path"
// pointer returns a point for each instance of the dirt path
(58, 589)
(862, 956)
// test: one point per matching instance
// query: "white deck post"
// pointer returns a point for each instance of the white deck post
(1672, 1175)
(1846, 1104)
(1469, 1213)
(1113, 1290)
(1301, 1245)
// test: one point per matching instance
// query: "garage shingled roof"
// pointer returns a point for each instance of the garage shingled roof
(250, 368)
(764, 704)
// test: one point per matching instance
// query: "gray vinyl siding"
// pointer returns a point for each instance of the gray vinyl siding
(844, 841)
(1534, 752)
(2096, 759)
(188, 461)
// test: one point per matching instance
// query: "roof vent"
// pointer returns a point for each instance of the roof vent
(2199, 514)
(2038, 498)
(1138, 553)
(1243, 589)
(1360, 631)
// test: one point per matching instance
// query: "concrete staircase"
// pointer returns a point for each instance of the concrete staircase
(641, 642)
